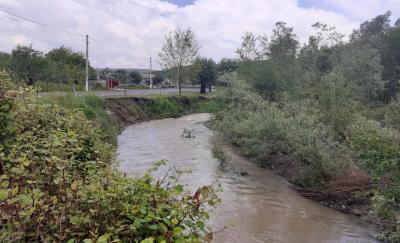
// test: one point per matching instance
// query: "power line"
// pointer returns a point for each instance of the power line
(68, 32)
(147, 58)
(61, 34)
(40, 23)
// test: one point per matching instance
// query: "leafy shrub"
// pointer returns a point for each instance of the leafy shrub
(262, 128)
(392, 235)
(58, 182)
(94, 108)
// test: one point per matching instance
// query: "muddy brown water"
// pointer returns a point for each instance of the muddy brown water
(263, 204)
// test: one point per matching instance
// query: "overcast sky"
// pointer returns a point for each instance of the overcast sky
(137, 27)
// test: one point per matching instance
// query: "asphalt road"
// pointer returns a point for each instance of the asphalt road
(110, 93)
(146, 92)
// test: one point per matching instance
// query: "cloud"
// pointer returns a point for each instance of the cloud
(367, 9)
(137, 27)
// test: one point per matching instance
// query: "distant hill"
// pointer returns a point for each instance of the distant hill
(126, 69)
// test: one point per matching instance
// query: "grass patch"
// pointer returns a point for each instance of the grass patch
(219, 153)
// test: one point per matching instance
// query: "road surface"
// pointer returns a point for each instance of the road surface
(121, 92)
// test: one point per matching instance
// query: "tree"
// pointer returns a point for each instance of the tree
(377, 26)
(248, 49)
(227, 65)
(64, 58)
(120, 74)
(5, 64)
(135, 77)
(283, 44)
(4, 61)
(179, 52)
(378, 34)
(158, 79)
(29, 63)
(105, 73)
(207, 74)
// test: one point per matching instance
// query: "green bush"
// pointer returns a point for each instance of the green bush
(59, 183)
(262, 128)
(94, 108)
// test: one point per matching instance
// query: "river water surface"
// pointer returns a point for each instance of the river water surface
(263, 204)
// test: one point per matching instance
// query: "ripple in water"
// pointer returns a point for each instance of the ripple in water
(262, 204)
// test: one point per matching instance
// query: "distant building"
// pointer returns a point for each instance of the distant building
(112, 83)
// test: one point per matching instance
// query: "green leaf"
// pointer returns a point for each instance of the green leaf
(87, 241)
(177, 230)
(163, 227)
(148, 240)
(71, 240)
(11, 128)
(167, 221)
(3, 194)
(74, 220)
(180, 241)
(178, 188)
(153, 227)
(174, 221)
(91, 172)
(102, 239)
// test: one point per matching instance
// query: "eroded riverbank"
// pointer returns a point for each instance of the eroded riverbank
(263, 204)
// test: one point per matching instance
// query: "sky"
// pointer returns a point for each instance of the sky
(138, 27)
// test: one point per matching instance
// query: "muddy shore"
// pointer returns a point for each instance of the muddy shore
(342, 194)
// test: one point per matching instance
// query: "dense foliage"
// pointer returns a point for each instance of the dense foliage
(59, 67)
(321, 111)
(59, 182)
(206, 73)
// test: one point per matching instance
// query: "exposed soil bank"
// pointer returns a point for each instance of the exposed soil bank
(262, 203)
(127, 110)
(345, 194)
(133, 110)
(342, 194)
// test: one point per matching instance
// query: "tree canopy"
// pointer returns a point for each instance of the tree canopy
(206, 73)
(179, 52)
(135, 77)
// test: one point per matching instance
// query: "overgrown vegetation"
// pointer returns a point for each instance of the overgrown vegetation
(94, 109)
(328, 109)
(59, 181)
(161, 107)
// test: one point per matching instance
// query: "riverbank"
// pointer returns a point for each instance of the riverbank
(342, 195)
(60, 183)
(261, 202)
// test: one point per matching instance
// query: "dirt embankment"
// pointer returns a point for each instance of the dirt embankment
(127, 110)
(342, 194)
(131, 110)
(346, 193)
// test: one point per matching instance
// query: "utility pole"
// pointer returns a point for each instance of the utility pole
(151, 80)
(87, 63)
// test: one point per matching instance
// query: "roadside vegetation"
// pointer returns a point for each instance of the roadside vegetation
(59, 179)
(323, 113)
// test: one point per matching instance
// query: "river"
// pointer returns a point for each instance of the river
(263, 204)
